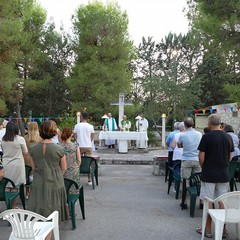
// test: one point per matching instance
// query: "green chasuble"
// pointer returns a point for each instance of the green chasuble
(107, 124)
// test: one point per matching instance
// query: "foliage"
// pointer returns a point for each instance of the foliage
(216, 25)
(164, 75)
(10, 29)
(46, 90)
(67, 122)
(103, 51)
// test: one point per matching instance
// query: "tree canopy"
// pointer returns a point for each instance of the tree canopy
(103, 54)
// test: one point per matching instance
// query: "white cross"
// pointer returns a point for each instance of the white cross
(121, 103)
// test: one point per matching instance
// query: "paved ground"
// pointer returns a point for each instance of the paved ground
(136, 156)
(129, 204)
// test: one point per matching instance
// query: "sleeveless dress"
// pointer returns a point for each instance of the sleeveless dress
(13, 161)
(48, 190)
(72, 171)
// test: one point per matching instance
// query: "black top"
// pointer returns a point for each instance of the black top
(217, 146)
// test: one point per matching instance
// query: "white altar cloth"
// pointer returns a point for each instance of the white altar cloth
(123, 138)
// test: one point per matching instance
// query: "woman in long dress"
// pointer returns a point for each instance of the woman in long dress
(48, 191)
(73, 157)
(14, 151)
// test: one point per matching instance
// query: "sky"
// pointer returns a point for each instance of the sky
(148, 18)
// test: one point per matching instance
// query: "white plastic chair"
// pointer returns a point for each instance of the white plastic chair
(230, 213)
(29, 225)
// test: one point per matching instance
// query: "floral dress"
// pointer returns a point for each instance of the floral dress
(72, 171)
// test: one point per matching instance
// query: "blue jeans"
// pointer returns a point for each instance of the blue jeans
(177, 169)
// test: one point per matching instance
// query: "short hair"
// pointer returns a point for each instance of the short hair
(181, 126)
(48, 129)
(188, 122)
(12, 130)
(66, 133)
(228, 128)
(214, 119)
(84, 115)
(176, 125)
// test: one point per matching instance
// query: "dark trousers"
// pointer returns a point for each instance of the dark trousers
(170, 156)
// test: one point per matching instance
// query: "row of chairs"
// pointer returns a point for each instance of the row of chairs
(88, 166)
(195, 183)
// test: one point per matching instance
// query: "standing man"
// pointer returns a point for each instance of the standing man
(189, 141)
(125, 124)
(84, 135)
(110, 125)
(169, 141)
(215, 152)
(142, 126)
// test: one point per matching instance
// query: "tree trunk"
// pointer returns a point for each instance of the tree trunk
(19, 117)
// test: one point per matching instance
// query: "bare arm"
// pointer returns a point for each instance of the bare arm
(75, 136)
(32, 165)
(230, 157)
(201, 157)
(63, 164)
(79, 160)
(174, 143)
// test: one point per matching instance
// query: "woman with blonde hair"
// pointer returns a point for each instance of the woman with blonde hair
(31, 138)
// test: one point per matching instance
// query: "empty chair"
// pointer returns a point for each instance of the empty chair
(30, 225)
(232, 168)
(8, 197)
(174, 178)
(230, 213)
(89, 166)
(72, 199)
(194, 191)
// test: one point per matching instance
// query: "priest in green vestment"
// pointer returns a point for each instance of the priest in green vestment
(110, 125)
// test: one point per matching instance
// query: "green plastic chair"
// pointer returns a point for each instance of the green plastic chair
(72, 199)
(89, 166)
(8, 197)
(232, 168)
(194, 191)
(173, 178)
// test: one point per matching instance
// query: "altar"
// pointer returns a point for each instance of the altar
(122, 138)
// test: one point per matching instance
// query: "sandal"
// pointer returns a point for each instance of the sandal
(207, 234)
(225, 233)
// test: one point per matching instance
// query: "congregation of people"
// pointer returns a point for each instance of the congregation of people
(210, 154)
(52, 156)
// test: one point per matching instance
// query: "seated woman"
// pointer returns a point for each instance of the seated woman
(15, 150)
(73, 157)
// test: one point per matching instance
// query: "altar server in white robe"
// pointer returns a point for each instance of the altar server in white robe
(142, 126)
(110, 125)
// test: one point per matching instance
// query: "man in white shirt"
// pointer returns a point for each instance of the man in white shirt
(84, 135)
(142, 126)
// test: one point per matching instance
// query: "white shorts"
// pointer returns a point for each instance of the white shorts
(213, 190)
